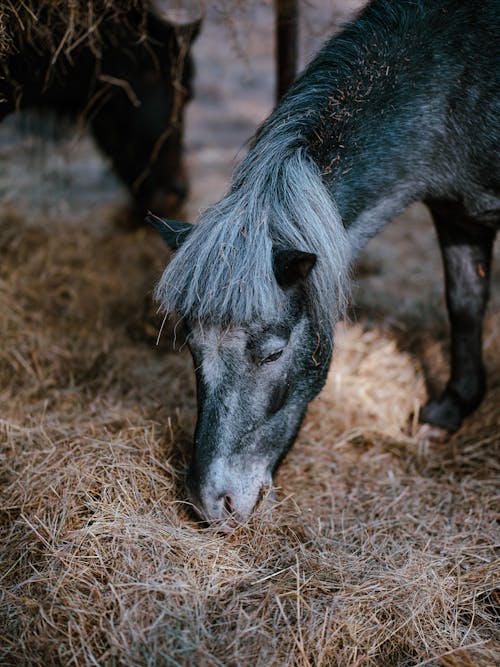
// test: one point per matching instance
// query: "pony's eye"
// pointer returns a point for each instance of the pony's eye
(271, 357)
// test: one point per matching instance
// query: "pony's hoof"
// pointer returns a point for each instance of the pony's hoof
(445, 413)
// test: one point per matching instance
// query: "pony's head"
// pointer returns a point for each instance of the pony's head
(257, 285)
(254, 381)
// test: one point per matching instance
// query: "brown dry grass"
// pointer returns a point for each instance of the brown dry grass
(379, 550)
(59, 26)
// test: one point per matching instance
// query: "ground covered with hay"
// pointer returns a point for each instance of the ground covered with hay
(380, 546)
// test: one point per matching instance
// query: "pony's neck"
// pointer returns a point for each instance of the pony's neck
(362, 111)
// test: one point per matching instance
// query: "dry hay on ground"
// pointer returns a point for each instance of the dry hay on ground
(380, 550)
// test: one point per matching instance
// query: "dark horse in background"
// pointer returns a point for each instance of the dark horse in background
(403, 106)
(130, 88)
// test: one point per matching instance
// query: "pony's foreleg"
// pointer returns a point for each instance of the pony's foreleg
(466, 248)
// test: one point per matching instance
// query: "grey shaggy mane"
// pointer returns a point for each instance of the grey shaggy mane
(224, 270)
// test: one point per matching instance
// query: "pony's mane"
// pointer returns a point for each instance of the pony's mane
(279, 195)
(224, 269)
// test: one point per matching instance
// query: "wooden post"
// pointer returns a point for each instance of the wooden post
(286, 44)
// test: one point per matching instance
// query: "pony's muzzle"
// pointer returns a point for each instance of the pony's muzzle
(224, 496)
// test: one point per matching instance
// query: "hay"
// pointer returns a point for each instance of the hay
(380, 549)
(58, 26)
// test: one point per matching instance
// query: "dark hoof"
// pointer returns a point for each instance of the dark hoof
(446, 413)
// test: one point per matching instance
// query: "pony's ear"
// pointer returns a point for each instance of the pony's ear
(174, 233)
(292, 266)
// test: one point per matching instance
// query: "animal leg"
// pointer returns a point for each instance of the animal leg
(466, 248)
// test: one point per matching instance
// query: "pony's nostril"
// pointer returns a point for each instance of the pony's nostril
(227, 503)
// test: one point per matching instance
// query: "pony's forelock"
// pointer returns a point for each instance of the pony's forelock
(224, 270)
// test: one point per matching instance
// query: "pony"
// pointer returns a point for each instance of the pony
(403, 105)
(129, 79)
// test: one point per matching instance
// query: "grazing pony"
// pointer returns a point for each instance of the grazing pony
(403, 106)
